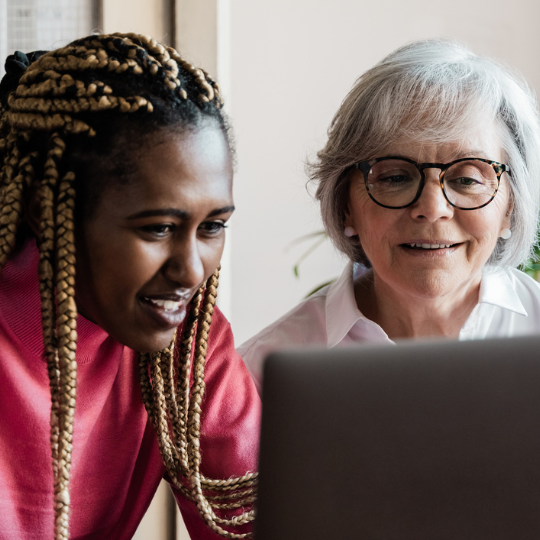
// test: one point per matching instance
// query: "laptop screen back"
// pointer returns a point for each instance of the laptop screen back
(422, 441)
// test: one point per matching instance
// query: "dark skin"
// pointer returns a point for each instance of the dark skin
(151, 243)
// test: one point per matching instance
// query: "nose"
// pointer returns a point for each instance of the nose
(432, 205)
(184, 265)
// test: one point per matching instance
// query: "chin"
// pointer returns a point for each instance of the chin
(149, 343)
(429, 286)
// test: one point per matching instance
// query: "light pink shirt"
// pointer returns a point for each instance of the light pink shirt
(509, 305)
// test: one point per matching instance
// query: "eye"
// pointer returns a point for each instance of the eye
(212, 228)
(395, 179)
(466, 182)
(158, 230)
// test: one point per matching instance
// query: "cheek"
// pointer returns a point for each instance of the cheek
(132, 264)
(358, 209)
(116, 266)
(373, 224)
(485, 224)
(210, 253)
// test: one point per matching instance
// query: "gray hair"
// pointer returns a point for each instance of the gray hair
(436, 91)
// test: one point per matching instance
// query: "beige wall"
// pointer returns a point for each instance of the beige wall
(3, 35)
(292, 62)
(153, 17)
(197, 32)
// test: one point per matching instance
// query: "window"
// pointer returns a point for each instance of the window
(29, 25)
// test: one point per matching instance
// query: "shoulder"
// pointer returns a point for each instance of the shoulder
(220, 353)
(524, 284)
(527, 289)
(220, 343)
(232, 407)
(230, 392)
(220, 332)
(515, 292)
(304, 324)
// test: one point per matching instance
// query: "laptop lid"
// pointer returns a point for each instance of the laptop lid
(423, 441)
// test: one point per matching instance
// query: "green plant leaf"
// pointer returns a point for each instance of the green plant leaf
(319, 287)
(309, 251)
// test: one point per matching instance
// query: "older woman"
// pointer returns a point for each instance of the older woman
(430, 184)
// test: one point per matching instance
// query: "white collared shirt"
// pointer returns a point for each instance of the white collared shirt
(509, 305)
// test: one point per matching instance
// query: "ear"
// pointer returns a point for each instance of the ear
(348, 227)
(508, 217)
(347, 222)
(32, 210)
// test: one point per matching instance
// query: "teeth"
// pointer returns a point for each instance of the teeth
(430, 246)
(168, 305)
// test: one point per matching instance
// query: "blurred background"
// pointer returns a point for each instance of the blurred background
(284, 67)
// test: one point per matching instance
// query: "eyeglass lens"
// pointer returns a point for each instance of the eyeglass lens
(467, 184)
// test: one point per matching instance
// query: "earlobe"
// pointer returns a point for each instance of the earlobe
(347, 222)
(348, 229)
(506, 231)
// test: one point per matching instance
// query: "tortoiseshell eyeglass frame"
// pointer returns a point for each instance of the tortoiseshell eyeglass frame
(365, 167)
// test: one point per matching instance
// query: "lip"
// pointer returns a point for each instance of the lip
(174, 296)
(433, 252)
(431, 241)
(166, 319)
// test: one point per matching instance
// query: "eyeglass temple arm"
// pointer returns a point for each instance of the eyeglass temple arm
(364, 166)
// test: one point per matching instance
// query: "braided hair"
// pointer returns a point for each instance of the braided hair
(65, 109)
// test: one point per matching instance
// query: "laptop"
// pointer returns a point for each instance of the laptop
(436, 440)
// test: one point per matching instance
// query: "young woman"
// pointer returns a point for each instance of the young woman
(116, 187)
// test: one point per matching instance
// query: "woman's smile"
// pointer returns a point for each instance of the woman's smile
(168, 311)
(426, 248)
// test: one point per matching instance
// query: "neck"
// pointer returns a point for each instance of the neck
(406, 315)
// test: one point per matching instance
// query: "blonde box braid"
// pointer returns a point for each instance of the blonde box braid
(52, 102)
(182, 453)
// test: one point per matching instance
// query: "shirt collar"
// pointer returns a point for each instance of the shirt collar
(341, 309)
(498, 289)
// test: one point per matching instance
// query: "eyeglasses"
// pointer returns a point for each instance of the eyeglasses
(467, 184)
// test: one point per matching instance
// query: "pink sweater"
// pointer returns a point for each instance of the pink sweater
(116, 462)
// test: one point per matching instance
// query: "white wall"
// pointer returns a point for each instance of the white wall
(3, 35)
(142, 16)
(292, 62)
(30, 25)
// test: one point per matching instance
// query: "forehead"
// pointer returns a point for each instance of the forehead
(483, 140)
(187, 169)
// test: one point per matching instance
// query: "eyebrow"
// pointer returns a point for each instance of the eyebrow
(175, 212)
(472, 154)
(457, 155)
(223, 210)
